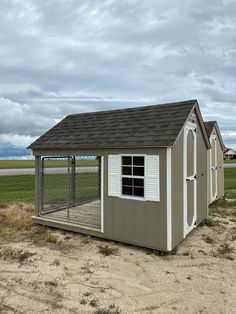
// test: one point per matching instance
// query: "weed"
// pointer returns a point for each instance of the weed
(233, 238)
(4, 308)
(208, 239)
(113, 310)
(56, 262)
(87, 294)
(209, 222)
(83, 301)
(86, 269)
(107, 250)
(51, 283)
(225, 249)
(93, 302)
(8, 253)
(40, 235)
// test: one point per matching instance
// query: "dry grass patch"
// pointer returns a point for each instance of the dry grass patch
(8, 253)
(14, 218)
(107, 250)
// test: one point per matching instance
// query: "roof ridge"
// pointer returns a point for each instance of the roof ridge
(171, 104)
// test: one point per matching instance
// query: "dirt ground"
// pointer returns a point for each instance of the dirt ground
(45, 270)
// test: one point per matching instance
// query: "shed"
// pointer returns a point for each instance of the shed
(229, 154)
(136, 175)
(216, 162)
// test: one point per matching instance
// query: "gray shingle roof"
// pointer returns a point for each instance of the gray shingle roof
(209, 127)
(149, 126)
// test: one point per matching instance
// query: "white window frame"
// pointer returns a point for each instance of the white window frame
(139, 198)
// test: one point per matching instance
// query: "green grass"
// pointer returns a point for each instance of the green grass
(230, 183)
(14, 189)
(231, 161)
(21, 164)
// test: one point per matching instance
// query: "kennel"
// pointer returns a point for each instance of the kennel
(149, 174)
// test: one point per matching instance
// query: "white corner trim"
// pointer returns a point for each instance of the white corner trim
(102, 193)
(168, 198)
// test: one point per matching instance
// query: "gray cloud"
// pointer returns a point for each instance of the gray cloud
(60, 57)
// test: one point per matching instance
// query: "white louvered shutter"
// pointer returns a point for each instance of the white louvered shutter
(152, 178)
(114, 175)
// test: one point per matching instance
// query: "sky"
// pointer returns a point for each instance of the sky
(59, 57)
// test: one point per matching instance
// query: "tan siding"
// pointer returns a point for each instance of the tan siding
(220, 169)
(177, 191)
(133, 221)
(177, 184)
(202, 177)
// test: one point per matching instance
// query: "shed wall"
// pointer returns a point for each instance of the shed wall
(220, 169)
(177, 191)
(178, 180)
(137, 222)
(202, 176)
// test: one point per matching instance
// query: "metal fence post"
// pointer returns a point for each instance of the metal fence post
(38, 185)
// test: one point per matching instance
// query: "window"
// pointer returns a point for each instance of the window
(132, 176)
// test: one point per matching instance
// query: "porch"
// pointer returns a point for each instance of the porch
(68, 189)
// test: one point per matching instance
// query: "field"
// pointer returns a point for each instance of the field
(231, 161)
(52, 271)
(23, 164)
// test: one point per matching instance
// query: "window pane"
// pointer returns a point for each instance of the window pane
(126, 190)
(126, 160)
(127, 171)
(138, 171)
(139, 182)
(127, 181)
(139, 192)
(138, 161)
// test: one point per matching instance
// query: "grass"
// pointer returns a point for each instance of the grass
(231, 161)
(14, 189)
(111, 310)
(21, 164)
(225, 249)
(8, 253)
(230, 183)
(106, 250)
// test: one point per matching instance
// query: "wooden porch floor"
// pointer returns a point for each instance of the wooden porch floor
(89, 214)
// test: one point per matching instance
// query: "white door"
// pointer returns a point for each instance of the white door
(213, 169)
(190, 179)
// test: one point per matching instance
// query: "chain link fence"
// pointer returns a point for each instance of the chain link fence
(70, 189)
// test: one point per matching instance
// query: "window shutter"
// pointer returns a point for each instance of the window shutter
(152, 178)
(114, 175)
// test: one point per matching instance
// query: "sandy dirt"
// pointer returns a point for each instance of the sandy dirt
(72, 276)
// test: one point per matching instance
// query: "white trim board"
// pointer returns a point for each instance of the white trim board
(189, 126)
(102, 194)
(168, 199)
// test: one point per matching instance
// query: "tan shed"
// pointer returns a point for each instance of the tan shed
(136, 175)
(216, 162)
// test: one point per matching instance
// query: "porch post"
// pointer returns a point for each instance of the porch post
(38, 185)
(73, 182)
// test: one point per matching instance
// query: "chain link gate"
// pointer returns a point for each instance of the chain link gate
(70, 189)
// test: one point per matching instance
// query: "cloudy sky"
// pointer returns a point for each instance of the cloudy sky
(69, 56)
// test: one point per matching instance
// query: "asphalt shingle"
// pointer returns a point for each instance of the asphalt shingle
(149, 126)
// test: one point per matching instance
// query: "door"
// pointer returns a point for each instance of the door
(213, 170)
(190, 177)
